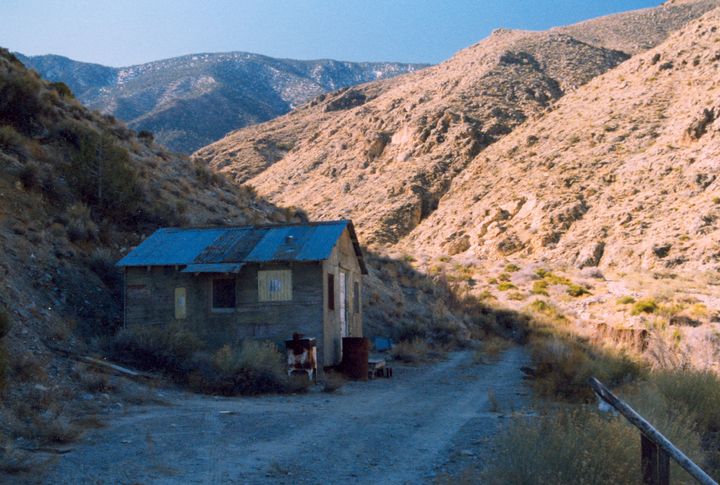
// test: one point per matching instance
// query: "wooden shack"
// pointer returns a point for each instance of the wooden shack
(227, 284)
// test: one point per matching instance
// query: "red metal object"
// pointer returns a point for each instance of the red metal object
(301, 356)
(355, 357)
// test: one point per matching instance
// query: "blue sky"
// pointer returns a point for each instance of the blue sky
(124, 32)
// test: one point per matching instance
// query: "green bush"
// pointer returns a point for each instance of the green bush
(62, 89)
(10, 139)
(505, 286)
(646, 305)
(626, 300)
(574, 289)
(146, 136)
(102, 262)
(99, 170)
(539, 287)
(20, 102)
(512, 268)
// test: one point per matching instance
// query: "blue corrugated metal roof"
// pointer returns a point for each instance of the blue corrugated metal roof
(169, 247)
(206, 247)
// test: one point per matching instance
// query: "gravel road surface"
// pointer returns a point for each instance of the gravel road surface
(425, 422)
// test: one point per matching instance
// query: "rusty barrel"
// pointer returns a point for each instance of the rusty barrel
(355, 351)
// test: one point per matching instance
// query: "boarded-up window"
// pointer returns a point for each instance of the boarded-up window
(180, 303)
(275, 285)
(331, 291)
(356, 297)
(223, 293)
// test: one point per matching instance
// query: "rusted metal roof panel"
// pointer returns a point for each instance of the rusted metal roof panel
(208, 248)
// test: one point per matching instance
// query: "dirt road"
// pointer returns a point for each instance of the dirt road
(427, 420)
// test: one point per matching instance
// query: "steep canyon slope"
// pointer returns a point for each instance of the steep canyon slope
(386, 153)
(623, 172)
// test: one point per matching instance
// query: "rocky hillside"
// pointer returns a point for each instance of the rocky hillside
(622, 173)
(193, 100)
(386, 153)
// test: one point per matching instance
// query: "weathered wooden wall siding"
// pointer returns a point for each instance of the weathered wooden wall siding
(250, 319)
(343, 258)
(277, 320)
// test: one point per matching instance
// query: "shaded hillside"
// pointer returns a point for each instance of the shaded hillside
(622, 173)
(77, 190)
(385, 153)
(193, 100)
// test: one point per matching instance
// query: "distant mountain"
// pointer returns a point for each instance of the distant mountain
(193, 100)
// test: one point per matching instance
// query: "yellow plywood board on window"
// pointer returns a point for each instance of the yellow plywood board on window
(180, 303)
(275, 285)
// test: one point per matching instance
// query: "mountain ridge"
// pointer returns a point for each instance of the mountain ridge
(191, 100)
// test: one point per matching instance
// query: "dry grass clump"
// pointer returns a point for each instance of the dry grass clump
(626, 300)
(546, 278)
(512, 268)
(333, 381)
(579, 445)
(157, 347)
(253, 368)
(491, 348)
(562, 368)
(411, 351)
(697, 390)
(548, 311)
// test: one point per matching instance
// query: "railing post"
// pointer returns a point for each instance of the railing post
(655, 462)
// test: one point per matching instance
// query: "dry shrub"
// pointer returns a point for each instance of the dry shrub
(579, 445)
(53, 429)
(563, 368)
(662, 353)
(94, 381)
(28, 368)
(253, 368)
(696, 390)
(157, 347)
(491, 348)
(333, 381)
(413, 351)
(80, 225)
